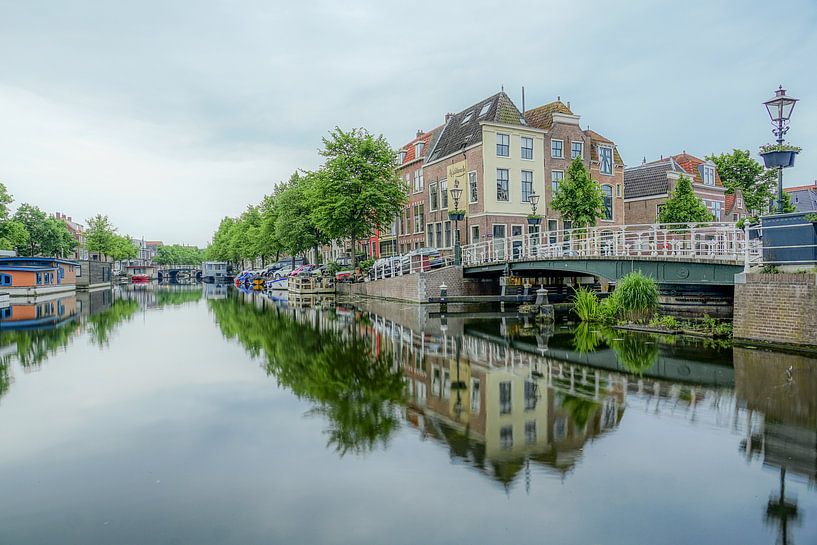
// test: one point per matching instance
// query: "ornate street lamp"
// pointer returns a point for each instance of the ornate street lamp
(456, 215)
(779, 156)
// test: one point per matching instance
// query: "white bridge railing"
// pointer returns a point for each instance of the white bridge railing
(682, 242)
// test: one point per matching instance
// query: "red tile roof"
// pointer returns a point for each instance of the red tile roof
(409, 148)
(690, 164)
(729, 202)
(800, 187)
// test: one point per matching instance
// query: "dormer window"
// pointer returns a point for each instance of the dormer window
(401, 157)
(709, 175)
(418, 149)
(468, 117)
(606, 160)
(484, 110)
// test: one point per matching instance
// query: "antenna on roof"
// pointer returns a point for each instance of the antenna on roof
(523, 100)
(558, 98)
(644, 160)
(502, 88)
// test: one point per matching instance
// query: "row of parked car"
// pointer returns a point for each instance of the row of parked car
(420, 259)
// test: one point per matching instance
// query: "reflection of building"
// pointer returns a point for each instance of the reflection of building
(38, 312)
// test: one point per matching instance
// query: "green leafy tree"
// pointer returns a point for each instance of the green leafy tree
(14, 236)
(788, 206)
(5, 201)
(46, 236)
(222, 248)
(58, 240)
(579, 199)
(123, 248)
(357, 190)
(100, 236)
(295, 229)
(176, 254)
(738, 170)
(684, 206)
(269, 245)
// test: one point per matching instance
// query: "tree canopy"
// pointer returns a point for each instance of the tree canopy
(579, 199)
(176, 254)
(684, 206)
(46, 236)
(738, 170)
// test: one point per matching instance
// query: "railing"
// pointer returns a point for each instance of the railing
(711, 241)
(409, 264)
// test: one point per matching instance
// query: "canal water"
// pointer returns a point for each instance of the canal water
(202, 415)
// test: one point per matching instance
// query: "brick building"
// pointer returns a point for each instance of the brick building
(803, 197)
(735, 207)
(77, 230)
(648, 186)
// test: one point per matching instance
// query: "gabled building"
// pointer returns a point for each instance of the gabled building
(77, 231)
(649, 185)
(735, 207)
(803, 197)
(489, 151)
(409, 227)
(566, 141)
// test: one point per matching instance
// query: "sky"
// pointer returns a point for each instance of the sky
(168, 116)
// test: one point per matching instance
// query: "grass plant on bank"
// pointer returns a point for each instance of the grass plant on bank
(634, 299)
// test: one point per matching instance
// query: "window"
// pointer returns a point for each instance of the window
(432, 196)
(530, 395)
(443, 194)
(709, 175)
(560, 428)
(5, 280)
(474, 234)
(502, 184)
(618, 190)
(401, 157)
(475, 401)
(503, 145)
(468, 117)
(447, 234)
(576, 149)
(39, 278)
(439, 242)
(504, 397)
(556, 176)
(553, 227)
(715, 208)
(430, 234)
(473, 190)
(740, 202)
(527, 147)
(607, 197)
(485, 108)
(557, 149)
(418, 149)
(527, 185)
(606, 160)
(419, 218)
(530, 432)
(506, 437)
(734, 217)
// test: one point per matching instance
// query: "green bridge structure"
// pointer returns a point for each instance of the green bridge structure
(680, 254)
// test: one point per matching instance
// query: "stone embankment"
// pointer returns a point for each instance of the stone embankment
(418, 287)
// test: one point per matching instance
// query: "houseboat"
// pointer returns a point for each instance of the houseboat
(214, 271)
(31, 276)
(141, 274)
(92, 274)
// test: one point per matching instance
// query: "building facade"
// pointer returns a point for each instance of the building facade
(735, 207)
(803, 197)
(77, 230)
(649, 185)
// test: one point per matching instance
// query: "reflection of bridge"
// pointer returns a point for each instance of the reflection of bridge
(174, 273)
(673, 254)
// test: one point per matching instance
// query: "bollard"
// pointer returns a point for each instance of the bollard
(541, 297)
(443, 298)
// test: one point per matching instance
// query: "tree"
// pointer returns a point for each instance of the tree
(5, 200)
(738, 170)
(684, 206)
(177, 254)
(295, 229)
(58, 240)
(123, 248)
(13, 236)
(579, 199)
(788, 206)
(221, 248)
(269, 244)
(36, 224)
(357, 190)
(99, 237)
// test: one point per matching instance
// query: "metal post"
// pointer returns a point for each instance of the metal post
(457, 249)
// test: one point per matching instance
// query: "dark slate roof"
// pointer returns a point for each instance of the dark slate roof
(463, 129)
(649, 178)
(804, 198)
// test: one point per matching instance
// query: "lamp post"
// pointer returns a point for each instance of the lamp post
(456, 193)
(780, 108)
(533, 221)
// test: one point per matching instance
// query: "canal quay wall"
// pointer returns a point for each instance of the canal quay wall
(418, 287)
(776, 308)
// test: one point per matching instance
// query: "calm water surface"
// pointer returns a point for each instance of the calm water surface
(205, 416)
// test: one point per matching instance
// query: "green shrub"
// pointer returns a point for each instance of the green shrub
(366, 264)
(586, 304)
(669, 322)
(724, 329)
(770, 269)
(609, 309)
(811, 216)
(637, 296)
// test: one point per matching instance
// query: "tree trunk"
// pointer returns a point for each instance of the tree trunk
(354, 251)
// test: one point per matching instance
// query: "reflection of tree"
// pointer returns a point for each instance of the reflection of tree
(635, 352)
(177, 295)
(5, 379)
(35, 345)
(586, 338)
(100, 326)
(581, 410)
(357, 390)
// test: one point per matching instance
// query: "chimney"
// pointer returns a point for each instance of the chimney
(420, 133)
(69, 219)
(448, 116)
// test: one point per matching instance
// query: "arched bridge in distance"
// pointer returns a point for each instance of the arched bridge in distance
(702, 254)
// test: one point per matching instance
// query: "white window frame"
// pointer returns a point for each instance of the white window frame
(581, 149)
(507, 146)
(522, 148)
(612, 203)
(418, 149)
(552, 172)
(507, 185)
(562, 142)
(443, 191)
(473, 227)
(433, 197)
(601, 162)
(476, 184)
(522, 184)
(709, 175)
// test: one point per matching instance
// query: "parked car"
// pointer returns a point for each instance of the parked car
(303, 269)
(385, 267)
(423, 259)
(282, 272)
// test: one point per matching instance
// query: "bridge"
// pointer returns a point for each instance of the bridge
(704, 253)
